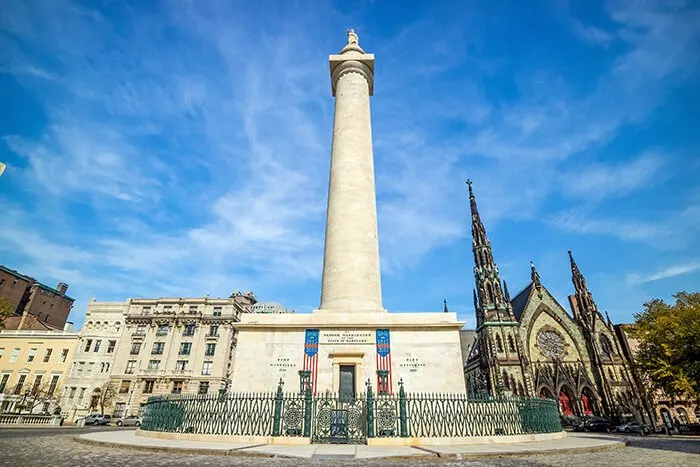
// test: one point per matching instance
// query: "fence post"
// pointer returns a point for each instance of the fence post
(370, 410)
(278, 410)
(308, 401)
(402, 410)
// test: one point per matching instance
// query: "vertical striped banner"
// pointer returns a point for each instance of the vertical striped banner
(311, 355)
(384, 360)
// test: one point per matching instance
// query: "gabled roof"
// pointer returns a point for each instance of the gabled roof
(520, 301)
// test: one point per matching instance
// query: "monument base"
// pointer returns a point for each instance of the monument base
(422, 349)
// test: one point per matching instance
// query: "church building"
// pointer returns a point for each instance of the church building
(529, 345)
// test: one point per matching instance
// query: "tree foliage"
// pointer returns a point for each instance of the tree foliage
(6, 311)
(669, 345)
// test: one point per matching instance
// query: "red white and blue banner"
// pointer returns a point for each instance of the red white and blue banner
(311, 356)
(383, 360)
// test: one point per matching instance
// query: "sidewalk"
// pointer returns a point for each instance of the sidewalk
(574, 442)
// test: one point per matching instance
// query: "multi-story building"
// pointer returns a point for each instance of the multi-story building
(87, 387)
(36, 305)
(32, 367)
(665, 409)
(176, 346)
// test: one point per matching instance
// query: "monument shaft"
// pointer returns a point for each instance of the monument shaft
(351, 277)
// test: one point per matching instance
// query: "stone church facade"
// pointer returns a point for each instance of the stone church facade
(530, 346)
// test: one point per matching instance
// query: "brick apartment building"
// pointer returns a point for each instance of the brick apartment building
(36, 306)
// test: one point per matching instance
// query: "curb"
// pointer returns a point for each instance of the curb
(205, 451)
(544, 452)
(429, 454)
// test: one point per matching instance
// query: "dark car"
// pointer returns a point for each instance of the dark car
(634, 427)
(596, 424)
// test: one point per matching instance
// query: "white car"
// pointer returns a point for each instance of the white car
(131, 420)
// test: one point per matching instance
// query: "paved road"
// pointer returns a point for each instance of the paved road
(6, 433)
(44, 447)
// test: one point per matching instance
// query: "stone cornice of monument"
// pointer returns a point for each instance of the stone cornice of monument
(352, 59)
(369, 320)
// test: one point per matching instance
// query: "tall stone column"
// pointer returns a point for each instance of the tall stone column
(351, 278)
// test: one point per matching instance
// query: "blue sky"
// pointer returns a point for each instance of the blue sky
(179, 148)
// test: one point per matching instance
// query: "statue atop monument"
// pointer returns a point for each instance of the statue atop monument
(352, 37)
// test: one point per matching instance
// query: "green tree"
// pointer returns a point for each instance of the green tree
(669, 345)
(6, 311)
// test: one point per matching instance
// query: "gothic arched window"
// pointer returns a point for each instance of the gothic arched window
(611, 373)
(511, 343)
(506, 381)
(499, 343)
(606, 345)
(489, 292)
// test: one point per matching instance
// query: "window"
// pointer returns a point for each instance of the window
(124, 387)
(162, 330)
(140, 331)
(682, 415)
(130, 365)
(181, 365)
(3, 382)
(499, 344)
(158, 348)
(20, 383)
(193, 309)
(119, 410)
(189, 330)
(135, 348)
(81, 366)
(31, 354)
(203, 387)
(72, 393)
(153, 364)
(111, 346)
(53, 384)
(167, 308)
(206, 368)
(47, 355)
(211, 348)
(82, 394)
(148, 386)
(90, 367)
(37, 384)
(64, 355)
(97, 345)
(185, 348)
(15, 354)
(88, 344)
(213, 331)
(511, 343)
(177, 387)
(146, 310)
(217, 312)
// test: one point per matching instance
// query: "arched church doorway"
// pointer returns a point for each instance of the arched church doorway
(546, 394)
(587, 401)
(565, 402)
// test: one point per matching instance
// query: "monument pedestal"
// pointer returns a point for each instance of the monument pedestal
(342, 349)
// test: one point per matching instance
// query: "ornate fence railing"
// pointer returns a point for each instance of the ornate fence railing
(334, 418)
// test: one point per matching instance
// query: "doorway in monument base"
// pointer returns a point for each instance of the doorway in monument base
(347, 382)
(565, 402)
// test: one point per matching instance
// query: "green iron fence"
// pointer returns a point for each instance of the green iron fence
(341, 419)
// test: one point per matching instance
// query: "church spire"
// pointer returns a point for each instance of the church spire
(583, 299)
(491, 297)
(535, 278)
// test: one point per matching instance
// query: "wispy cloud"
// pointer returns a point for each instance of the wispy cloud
(665, 273)
(626, 229)
(592, 34)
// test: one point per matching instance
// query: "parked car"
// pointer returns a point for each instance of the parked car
(97, 419)
(634, 427)
(596, 424)
(131, 420)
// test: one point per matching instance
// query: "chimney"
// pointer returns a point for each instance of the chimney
(62, 287)
(68, 327)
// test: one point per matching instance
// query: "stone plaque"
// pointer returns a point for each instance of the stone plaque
(346, 337)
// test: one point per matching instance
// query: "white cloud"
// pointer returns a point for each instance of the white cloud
(592, 34)
(598, 181)
(665, 273)
(625, 229)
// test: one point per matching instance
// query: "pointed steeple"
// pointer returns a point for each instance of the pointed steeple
(444, 308)
(585, 306)
(491, 298)
(607, 317)
(505, 291)
(535, 278)
(476, 301)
